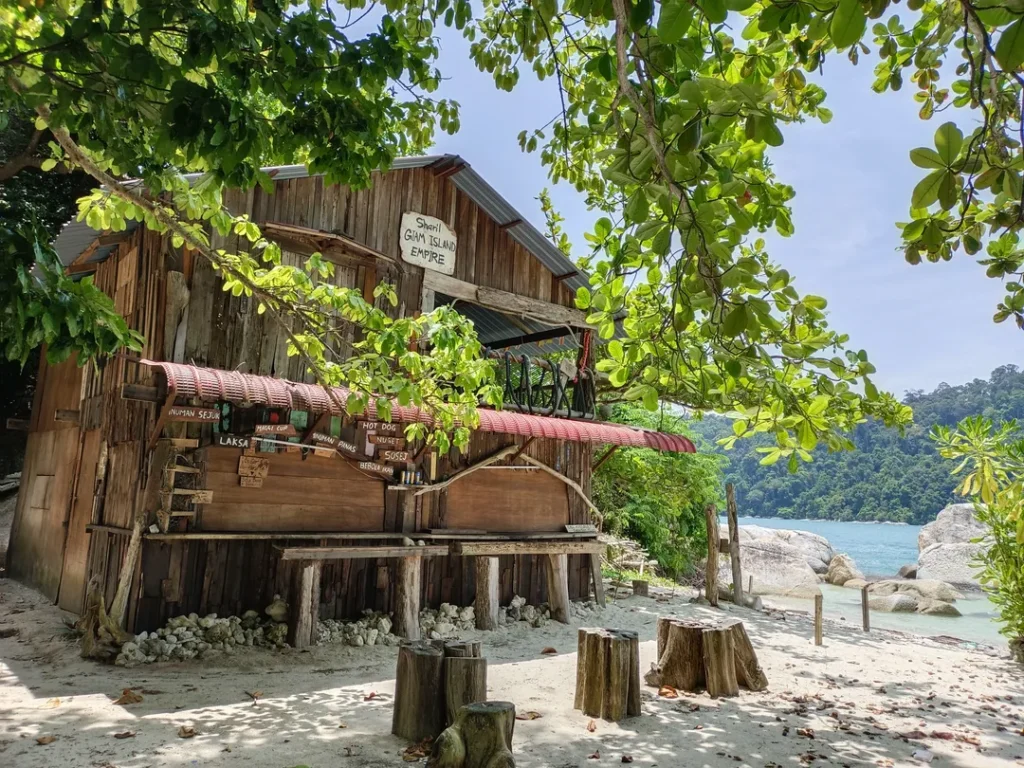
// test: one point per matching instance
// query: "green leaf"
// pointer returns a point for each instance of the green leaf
(48, 164)
(606, 67)
(923, 157)
(690, 137)
(715, 10)
(805, 434)
(651, 399)
(949, 190)
(636, 209)
(735, 322)
(948, 140)
(674, 20)
(927, 190)
(848, 23)
(1010, 48)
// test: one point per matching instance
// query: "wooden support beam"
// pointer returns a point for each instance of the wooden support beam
(558, 587)
(268, 536)
(607, 455)
(486, 605)
(504, 301)
(359, 553)
(305, 605)
(493, 548)
(407, 598)
(143, 393)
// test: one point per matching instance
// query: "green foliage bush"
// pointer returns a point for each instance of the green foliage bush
(658, 499)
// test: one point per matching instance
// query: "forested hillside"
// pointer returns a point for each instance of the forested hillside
(888, 477)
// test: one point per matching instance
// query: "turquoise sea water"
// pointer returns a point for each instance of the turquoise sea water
(880, 549)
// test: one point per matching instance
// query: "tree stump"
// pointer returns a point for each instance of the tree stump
(434, 679)
(480, 737)
(717, 656)
(419, 692)
(608, 673)
(102, 637)
(640, 587)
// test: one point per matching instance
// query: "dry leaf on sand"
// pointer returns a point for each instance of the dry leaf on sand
(668, 692)
(370, 695)
(186, 731)
(255, 696)
(627, 758)
(128, 696)
(52, 704)
(44, 740)
(592, 726)
(528, 715)
(343, 725)
(125, 735)
(549, 649)
(595, 756)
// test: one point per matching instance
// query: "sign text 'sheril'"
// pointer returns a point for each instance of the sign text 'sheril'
(427, 242)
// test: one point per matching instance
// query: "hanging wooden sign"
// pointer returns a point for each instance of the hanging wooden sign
(381, 469)
(285, 430)
(202, 496)
(250, 482)
(324, 439)
(381, 426)
(234, 441)
(325, 451)
(347, 447)
(193, 414)
(427, 242)
(387, 440)
(253, 466)
(399, 457)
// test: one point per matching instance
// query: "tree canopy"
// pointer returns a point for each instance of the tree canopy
(889, 477)
(669, 114)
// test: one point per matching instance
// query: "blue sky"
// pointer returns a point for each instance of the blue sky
(920, 325)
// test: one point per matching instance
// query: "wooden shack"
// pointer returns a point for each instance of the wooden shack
(209, 475)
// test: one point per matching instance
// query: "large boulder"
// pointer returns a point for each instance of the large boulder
(841, 570)
(777, 568)
(896, 603)
(919, 589)
(953, 563)
(815, 549)
(908, 571)
(956, 524)
(937, 608)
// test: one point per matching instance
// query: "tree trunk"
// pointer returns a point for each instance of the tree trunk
(558, 587)
(419, 694)
(734, 545)
(102, 637)
(465, 682)
(486, 605)
(719, 653)
(407, 598)
(608, 673)
(480, 737)
(711, 570)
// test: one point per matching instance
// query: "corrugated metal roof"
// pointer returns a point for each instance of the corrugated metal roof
(211, 385)
(76, 236)
(492, 326)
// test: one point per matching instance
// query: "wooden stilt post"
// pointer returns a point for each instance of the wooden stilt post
(734, 545)
(818, 606)
(711, 571)
(558, 587)
(864, 610)
(597, 577)
(407, 598)
(305, 604)
(486, 604)
(419, 692)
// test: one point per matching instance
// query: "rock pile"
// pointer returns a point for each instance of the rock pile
(934, 598)
(373, 629)
(192, 636)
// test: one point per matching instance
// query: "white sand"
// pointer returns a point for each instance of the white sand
(857, 693)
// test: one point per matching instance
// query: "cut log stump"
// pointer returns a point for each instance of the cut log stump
(608, 673)
(640, 587)
(696, 655)
(433, 681)
(480, 737)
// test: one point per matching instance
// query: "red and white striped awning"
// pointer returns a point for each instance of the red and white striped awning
(212, 384)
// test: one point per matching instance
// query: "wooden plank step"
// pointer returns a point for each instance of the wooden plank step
(357, 553)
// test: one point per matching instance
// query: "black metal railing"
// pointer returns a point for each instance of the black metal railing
(545, 387)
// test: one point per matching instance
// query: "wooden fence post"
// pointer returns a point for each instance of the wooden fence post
(711, 572)
(734, 545)
(864, 611)
(818, 606)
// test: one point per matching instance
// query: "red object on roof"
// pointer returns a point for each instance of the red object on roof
(212, 384)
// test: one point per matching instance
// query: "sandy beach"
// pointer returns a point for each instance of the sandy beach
(860, 699)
